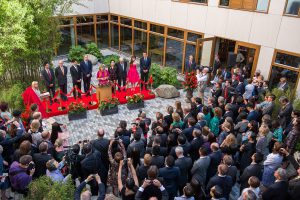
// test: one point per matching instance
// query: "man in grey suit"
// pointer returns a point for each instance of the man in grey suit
(184, 163)
(200, 167)
(61, 75)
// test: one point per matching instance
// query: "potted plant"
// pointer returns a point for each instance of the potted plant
(109, 106)
(135, 101)
(77, 111)
(190, 84)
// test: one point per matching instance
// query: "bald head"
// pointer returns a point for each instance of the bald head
(100, 132)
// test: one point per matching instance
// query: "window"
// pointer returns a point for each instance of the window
(174, 54)
(193, 37)
(140, 43)
(191, 50)
(278, 72)
(102, 18)
(126, 39)
(84, 19)
(192, 1)
(114, 36)
(288, 60)
(67, 40)
(156, 48)
(126, 21)
(157, 28)
(292, 7)
(102, 35)
(85, 34)
(250, 5)
(175, 33)
(141, 25)
(66, 21)
(114, 18)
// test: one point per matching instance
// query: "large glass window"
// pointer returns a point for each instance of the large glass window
(174, 54)
(292, 7)
(102, 18)
(157, 28)
(140, 43)
(126, 21)
(114, 36)
(257, 5)
(102, 35)
(156, 48)
(126, 40)
(114, 18)
(193, 37)
(67, 40)
(141, 25)
(224, 2)
(175, 33)
(85, 34)
(84, 19)
(278, 72)
(288, 60)
(190, 50)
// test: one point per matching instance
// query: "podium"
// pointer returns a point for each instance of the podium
(103, 92)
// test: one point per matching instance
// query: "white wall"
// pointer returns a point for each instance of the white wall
(90, 6)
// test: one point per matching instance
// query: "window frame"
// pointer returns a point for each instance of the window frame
(242, 9)
(289, 15)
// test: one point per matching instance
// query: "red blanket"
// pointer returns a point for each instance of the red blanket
(30, 97)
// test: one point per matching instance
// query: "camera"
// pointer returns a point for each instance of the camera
(31, 166)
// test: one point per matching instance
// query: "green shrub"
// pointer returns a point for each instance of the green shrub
(45, 188)
(76, 53)
(12, 95)
(296, 104)
(92, 48)
(163, 75)
(106, 59)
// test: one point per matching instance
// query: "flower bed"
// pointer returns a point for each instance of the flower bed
(109, 106)
(77, 111)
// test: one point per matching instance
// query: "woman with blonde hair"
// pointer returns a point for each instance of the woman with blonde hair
(262, 145)
(59, 150)
(102, 75)
(177, 122)
(229, 145)
(34, 131)
(215, 121)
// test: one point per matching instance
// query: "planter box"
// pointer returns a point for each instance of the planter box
(76, 116)
(133, 106)
(111, 111)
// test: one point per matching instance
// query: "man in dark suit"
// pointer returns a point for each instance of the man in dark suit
(61, 74)
(215, 159)
(122, 73)
(76, 78)
(190, 64)
(227, 92)
(101, 144)
(40, 160)
(145, 64)
(184, 164)
(171, 176)
(240, 88)
(278, 190)
(254, 169)
(196, 143)
(186, 115)
(182, 142)
(86, 67)
(253, 114)
(49, 80)
(157, 159)
(188, 131)
(199, 170)
(285, 112)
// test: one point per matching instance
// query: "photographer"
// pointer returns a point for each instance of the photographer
(86, 195)
(73, 161)
(54, 170)
(152, 183)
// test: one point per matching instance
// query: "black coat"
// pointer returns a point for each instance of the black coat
(86, 69)
(284, 115)
(163, 151)
(247, 152)
(93, 164)
(225, 183)
(215, 159)
(196, 143)
(101, 145)
(158, 161)
(61, 78)
(113, 73)
(184, 164)
(145, 65)
(188, 132)
(277, 191)
(186, 149)
(40, 160)
(75, 73)
(48, 80)
(251, 170)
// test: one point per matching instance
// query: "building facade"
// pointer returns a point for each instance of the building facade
(266, 32)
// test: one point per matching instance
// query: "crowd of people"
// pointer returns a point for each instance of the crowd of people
(196, 151)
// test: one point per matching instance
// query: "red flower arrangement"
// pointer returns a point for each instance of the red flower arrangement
(190, 81)
(108, 103)
(136, 98)
(75, 107)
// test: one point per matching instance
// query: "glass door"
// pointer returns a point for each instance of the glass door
(205, 51)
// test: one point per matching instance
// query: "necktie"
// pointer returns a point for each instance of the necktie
(62, 70)
(49, 74)
(226, 93)
(123, 66)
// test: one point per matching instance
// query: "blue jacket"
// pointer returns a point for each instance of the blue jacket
(171, 176)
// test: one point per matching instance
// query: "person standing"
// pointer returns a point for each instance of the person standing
(49, 80)
(190, 64)
(113, 74)
(76, 78)
(133, 75)
(122, 72)
(86, 67)
(61, 74)
(145, 64)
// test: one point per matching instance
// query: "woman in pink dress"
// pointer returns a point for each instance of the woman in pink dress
(133, 75)
(102, 75)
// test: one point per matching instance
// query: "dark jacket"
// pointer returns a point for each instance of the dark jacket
(251, 170)
(277, 191)
(86, 68)
(240, 89)
(224, 182)
(113, 73)
(215, 159)
(75, 73)
(40, 160)
(188, 132)
(79, 189)
(186, 149)
(93, 164)
(171, 176)
(190, 67)
(48, 80)
(61, 78)
(145, 65)
(158, 161)
(184, 164)
(284, 115)
(196, 143)
(253, 115)
(141, 173)
(122, 73)
(101, 145)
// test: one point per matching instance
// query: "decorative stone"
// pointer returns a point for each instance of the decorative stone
(93, 59)
(167, 91)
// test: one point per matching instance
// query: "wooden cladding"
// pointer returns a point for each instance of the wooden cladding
(243, 4)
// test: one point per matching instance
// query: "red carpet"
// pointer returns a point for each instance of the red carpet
(87, 99)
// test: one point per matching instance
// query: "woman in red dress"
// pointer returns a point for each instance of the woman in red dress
(133, 75)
